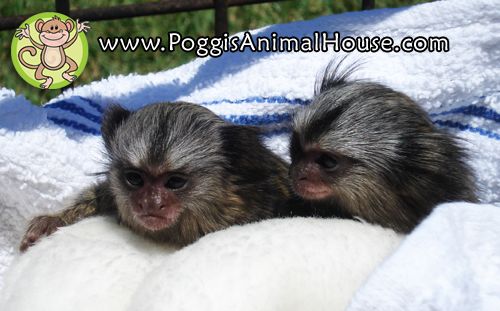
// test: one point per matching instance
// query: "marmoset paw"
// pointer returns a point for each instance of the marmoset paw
(38, 227)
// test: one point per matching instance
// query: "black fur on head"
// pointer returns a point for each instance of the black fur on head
(228, 176)
(368, 151)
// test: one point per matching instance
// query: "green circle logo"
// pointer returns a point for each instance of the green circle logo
(49, 50)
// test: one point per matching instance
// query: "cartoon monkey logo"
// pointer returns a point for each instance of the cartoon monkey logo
(52, 52)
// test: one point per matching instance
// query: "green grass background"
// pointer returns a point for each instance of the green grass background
(101, 64)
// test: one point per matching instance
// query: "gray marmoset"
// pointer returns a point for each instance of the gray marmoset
(361, 149)
(175, 173)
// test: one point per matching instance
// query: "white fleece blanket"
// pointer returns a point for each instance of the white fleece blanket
(47, 154)
(451, 262)
(299, 264)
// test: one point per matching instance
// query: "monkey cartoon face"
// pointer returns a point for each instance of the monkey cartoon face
(54, 32)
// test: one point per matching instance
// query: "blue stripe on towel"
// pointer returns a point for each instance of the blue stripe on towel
(90, 102)
(73, 108)
(95, 105)
(467, 127)
(472, 110)
(270, 119)
(259, 99)
(254, 99)
(75, 125)
(267, 119)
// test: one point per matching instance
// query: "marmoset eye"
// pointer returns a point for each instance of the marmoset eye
(176, 182)
(134, 178)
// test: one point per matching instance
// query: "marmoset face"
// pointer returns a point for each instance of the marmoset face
(372, 152)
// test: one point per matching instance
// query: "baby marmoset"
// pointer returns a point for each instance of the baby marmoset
(361, 149)
(177, 172)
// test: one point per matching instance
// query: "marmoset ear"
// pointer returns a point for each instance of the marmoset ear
(113, 117)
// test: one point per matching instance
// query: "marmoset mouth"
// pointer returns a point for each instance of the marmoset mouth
(158, 221)
(312, 190)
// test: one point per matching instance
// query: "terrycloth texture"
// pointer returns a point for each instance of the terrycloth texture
(451, 262)
(46, 153)
(294, 264)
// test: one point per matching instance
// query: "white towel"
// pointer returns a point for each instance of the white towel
(47, 153)
(450, 262)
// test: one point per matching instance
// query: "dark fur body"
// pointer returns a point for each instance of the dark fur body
(393, 166)
(234, 179)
